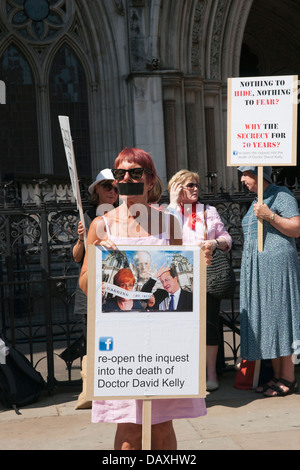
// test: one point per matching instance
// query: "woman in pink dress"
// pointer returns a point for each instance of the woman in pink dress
(136, 176)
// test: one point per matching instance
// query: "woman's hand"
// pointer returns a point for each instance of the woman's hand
(80, 231)
(175, 194)
(208, 252)
(262, 211)
(78, 248)
(211, 244)
(108, 244)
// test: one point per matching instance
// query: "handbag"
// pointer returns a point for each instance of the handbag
(220, 275)
(251, 374)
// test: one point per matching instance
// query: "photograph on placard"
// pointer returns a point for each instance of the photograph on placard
(147, 280)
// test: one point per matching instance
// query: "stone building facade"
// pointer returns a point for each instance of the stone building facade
(144, 73)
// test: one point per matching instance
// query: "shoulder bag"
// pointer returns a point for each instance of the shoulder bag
(220, 275)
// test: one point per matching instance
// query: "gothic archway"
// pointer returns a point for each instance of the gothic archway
(271, 46)
(201, 42)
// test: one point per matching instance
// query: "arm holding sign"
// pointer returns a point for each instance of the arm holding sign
(97, 228)
(289, 227)
(104, 195)
(78, 249)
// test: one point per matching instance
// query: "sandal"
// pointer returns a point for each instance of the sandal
(265, 387)
(291, 386)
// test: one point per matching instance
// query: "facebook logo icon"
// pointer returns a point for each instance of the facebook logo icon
(106, 343)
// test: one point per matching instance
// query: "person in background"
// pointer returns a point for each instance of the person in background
(156, 192)
(104, 196)
(183, 188)
(125, 279)
(136, 176)
(270, 282)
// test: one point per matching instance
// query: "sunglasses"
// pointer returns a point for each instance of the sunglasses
(108, 186)
(134, 173)
(192, 185)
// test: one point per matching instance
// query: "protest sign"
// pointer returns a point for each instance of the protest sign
(146, 350)
(262, 121)
(262, 125)
(71, 162)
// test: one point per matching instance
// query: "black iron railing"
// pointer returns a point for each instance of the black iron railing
(38, 277)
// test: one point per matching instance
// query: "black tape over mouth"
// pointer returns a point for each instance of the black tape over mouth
(130, 189)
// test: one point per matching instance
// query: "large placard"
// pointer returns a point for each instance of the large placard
(262, 121)
(146, 350)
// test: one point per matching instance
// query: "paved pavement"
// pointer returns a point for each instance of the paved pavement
(236, 420)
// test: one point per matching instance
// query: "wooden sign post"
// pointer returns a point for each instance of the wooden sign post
(146, 354)
(262, 125)
(146, 426)
(260, 192)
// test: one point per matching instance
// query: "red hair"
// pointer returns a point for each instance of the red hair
(139, 156)
(122, 276)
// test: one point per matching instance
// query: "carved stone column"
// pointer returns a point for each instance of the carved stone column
(170, 137)
(191, 143)
(216, 154)
(195, 126)
(210, 140)
(174, 122)
(44, 124)
(148, 119)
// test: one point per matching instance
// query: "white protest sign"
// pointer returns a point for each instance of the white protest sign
(71, 162)
(262, 121)
(142, 353)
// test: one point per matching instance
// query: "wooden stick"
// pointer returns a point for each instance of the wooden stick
(146, 426)
(260, 201)
(256, 373)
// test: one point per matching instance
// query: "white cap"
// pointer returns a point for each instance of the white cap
(105, 174)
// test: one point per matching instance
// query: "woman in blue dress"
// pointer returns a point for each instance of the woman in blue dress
(270, 283)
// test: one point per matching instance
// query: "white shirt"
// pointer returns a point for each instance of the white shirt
(165, 304)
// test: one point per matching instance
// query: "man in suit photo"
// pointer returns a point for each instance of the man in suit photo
(172, 296)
